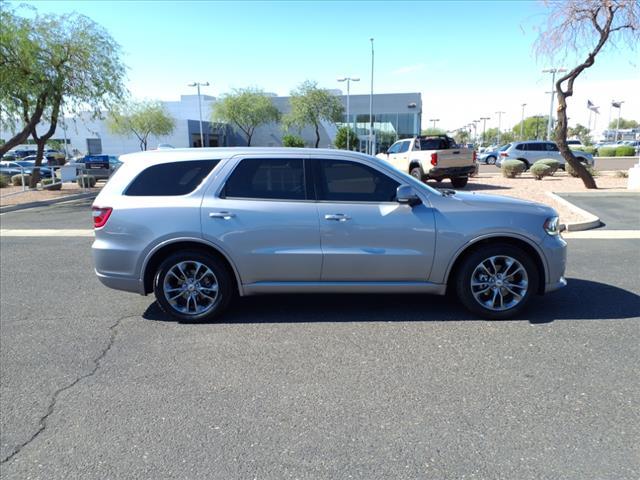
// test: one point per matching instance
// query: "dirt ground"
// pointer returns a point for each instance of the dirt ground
(14, 195)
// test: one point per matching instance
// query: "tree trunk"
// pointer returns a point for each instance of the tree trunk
(249, 140)
(35, 174)
(317, 135)
(42, 140)
(30, 124)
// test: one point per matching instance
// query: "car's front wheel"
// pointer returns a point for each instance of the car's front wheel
(192, 286)
(497, 281)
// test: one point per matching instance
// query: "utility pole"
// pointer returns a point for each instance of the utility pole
(499, 125)
(198, 85)
(372, 146)
(484, 128)
(617, 105)
(348, 80)
(522, 123)
(553, 72)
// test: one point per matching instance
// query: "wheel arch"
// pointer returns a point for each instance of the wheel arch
(413, 164)
(516, 241)
(161, 251)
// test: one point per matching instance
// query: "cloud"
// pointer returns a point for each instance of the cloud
(409, 69)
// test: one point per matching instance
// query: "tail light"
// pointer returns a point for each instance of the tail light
(475, 157)
(434, 159)
(100, 216)
(504, 154)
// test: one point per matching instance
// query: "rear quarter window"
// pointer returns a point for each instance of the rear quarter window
(170, 179)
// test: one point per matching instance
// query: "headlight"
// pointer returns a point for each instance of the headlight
(552, 225)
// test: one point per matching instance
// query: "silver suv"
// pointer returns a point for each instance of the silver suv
(198, 226)
(533, 150)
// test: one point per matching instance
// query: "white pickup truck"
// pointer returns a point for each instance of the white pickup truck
(432, 157)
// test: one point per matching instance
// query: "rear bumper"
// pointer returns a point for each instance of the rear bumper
(438, 172)
(127, 284)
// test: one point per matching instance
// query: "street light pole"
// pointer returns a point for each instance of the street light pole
(434, 120)
(372, 147)
(198, 85)
(484, 128)
(522, 123)
(618, 105)
(553, 72)
(348, 80)
(499, 125)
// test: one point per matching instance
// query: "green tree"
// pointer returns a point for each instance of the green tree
(432, 131)
(584, 27)
(292, 141)
(341, 139)
(462, 136)
(311, 105)
(624, 123)
(247, 109)
(51, 62)
(581, 132)
(141, 119)
(534, 127)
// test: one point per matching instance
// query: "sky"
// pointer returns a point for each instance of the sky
(468, 59)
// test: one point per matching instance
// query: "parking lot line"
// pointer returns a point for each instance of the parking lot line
(46, 232)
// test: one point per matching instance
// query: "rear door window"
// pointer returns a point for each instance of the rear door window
(170, 179)
(268, 178)
(345, 181)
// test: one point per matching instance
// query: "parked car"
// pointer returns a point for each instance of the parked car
(197, 226)
(575, 144)
(433, 157)
(100, 166)
(531, 151)
(492, 156)
(27, 168)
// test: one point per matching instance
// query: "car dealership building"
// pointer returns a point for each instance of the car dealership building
(395, 115)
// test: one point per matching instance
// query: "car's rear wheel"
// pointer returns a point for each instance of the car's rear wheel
(417, 172)
(459, 182)
(192, 286)
(491, 160)
(496, 282)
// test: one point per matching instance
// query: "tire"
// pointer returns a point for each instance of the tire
(210, 271)
(417, 172)
(526, 164)
(491, 160)
(459, 182)
(524, 285)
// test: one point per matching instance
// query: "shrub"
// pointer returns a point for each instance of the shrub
(16, 180)
(569, 169)
(625, 151)
(86, 181)
(622, 174)
(590, 150)
(292, 141)
(539, 170)
(4, 181)
(554, 165)
(51, 184)
(512, 168)
(607, 152)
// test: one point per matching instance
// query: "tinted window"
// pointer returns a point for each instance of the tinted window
(280, 179)
(346, 181)
(433, 144)
(394, 148)
(404, 146)
(535, 147)
(177, 178)
(551, 147)
(521, 146)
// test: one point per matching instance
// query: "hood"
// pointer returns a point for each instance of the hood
(499, 202)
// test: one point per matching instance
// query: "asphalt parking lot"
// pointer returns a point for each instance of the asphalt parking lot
(100, 384)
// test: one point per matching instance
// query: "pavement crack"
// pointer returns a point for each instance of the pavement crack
(42, 424)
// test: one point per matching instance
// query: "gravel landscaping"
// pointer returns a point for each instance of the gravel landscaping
(14, 195)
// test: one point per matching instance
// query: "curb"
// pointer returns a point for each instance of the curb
(591, 222)
(45, 203)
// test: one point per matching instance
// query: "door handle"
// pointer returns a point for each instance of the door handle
(224, 215)
(338, 217)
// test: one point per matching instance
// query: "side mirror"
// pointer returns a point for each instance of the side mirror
(405, 195)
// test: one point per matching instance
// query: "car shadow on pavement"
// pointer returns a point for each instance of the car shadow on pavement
(472, 186)
(580, 300)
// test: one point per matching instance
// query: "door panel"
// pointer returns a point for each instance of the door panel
(269, 237)
(376, 242)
